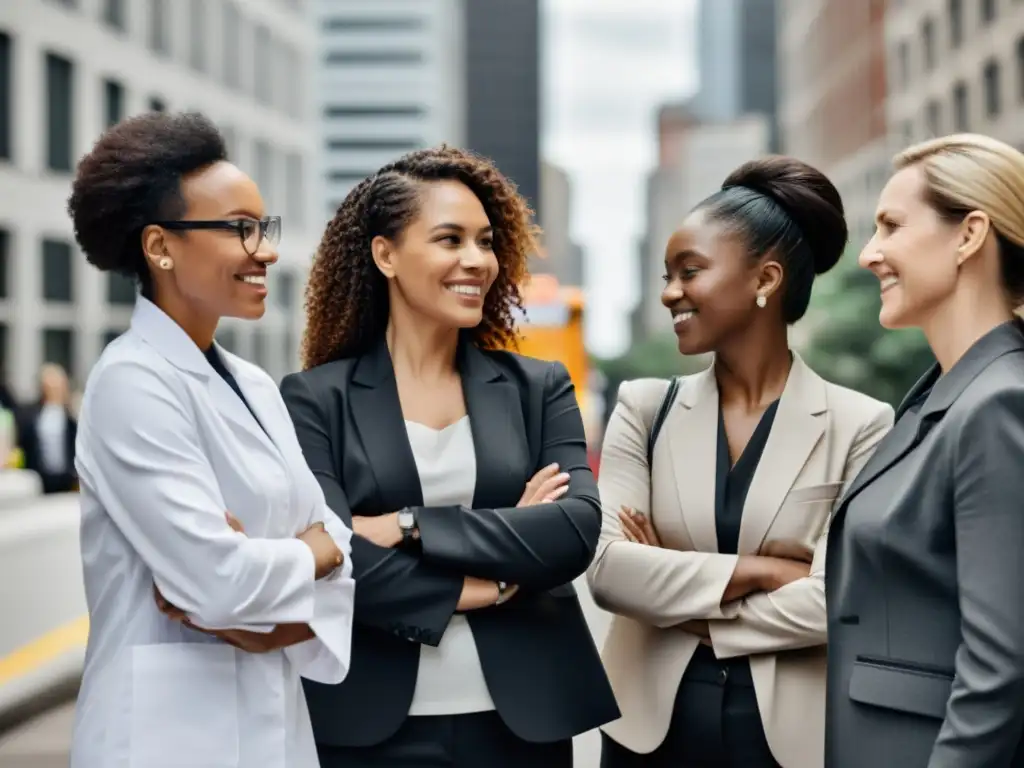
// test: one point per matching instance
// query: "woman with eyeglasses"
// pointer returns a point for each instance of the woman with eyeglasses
(215, 574)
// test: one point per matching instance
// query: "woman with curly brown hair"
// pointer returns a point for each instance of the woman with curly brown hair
(462, 468)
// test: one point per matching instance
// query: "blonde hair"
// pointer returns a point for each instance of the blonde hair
(968, 172)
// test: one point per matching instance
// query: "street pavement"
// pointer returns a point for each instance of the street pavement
(44, 741)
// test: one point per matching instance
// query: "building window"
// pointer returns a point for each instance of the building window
(114, 14)
(120, 290)
(1020, 68)
(956, 22)
(57, 270)
(991, 82)
(230, 142)
(933, 118)
(113, 102)
(156, 104)
(263, 171)
(988, 11)
(295, 209)
(262, 72)
(197, 42)
(159, 40)
(59, 114)
(110, 335)
(903, 62)
(5, 258)
(928, 44)
(961, 113)
(284, 289)
(59, 347)
(6, 94)
(232, 46)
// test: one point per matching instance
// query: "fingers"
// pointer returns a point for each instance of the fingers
(546, 486)
(165, 607)
(630, 528)
(234, 523)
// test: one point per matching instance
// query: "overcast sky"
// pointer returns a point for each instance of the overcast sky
(608, 65)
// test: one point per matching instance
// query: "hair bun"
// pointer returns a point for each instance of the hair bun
(807, 196)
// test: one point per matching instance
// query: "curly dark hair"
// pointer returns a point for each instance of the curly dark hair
(131, 178)
(347, 296)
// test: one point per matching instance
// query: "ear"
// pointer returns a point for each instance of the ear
(154, 244)
(769, 278)
(973, 232)
(383, 255)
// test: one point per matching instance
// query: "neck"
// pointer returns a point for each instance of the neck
(752, 371)
(953, 328)
(198, 327)
(420, 350)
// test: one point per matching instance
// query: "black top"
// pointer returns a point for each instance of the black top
(542, 668)
(732, 482)
(214, 358)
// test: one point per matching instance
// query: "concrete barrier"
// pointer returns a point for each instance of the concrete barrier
(42, 600)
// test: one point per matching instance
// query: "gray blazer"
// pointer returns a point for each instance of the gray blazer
(925, 578)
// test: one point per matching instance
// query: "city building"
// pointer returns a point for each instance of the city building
(832, 108)
(71, 68)
(398, 75)
(955, 66)
(736, 60)
(562, 257)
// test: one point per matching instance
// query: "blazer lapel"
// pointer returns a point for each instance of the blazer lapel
(499, 431)
(692, 429)
(798, 426)
(377, 413)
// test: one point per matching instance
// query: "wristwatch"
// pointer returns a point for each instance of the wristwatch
(502, 593)
(407, 524)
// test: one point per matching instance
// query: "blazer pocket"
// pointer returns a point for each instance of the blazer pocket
(184, 709)
(812, 493)
(901, 686)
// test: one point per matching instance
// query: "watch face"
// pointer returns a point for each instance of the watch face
(405, 520)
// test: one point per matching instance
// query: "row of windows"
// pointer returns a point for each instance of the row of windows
(277, 68)
(992, 99)
(61, 130)
(956, 23)
(58, 284)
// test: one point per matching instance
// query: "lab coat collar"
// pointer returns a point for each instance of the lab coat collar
(169, 339)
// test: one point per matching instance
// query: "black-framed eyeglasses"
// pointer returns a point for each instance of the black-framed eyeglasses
(251, 232)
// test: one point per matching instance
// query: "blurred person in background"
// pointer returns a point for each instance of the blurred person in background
(47, 431)
(463, 471)
(712, 550)
(211, 561)
(925, 587)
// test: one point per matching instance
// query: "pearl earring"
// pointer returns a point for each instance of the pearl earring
(165, 263)
(761, 300)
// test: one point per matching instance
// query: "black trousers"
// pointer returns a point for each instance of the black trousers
(478, 740)
(715, 722)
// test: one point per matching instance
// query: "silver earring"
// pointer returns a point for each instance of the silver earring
(761, 300)
(165, 263)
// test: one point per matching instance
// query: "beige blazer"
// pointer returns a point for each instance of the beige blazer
(821, 436)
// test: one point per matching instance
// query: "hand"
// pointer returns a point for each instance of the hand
(481, 593)
(325, 552)
(544, 487)
(777, 572)
(637, 527)
(788, 549)
(698, 627)
(382, 530)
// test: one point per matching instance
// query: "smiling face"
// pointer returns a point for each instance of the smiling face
(443, 263)
(712, 284)
(914, 252)
(212, 275)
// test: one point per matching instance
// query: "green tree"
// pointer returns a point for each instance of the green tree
(846, 344)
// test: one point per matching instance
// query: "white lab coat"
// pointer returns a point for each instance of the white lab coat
(165, 446)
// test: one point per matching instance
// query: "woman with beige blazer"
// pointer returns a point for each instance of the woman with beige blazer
(712, 552)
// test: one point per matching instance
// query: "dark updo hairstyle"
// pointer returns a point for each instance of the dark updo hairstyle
(347, 305)
(784, 206)
(132, 178)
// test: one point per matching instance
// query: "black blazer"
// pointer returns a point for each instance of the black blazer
(925, 583)
(539, 659)
(26, 421)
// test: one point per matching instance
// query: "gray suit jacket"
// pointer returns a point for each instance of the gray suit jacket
(925, 577)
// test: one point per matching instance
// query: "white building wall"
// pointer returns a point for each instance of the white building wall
(390, 80)
(266, 117)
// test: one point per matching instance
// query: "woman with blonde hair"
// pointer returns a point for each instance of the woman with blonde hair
(925, 591)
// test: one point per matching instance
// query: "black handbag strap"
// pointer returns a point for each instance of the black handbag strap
(660, 415)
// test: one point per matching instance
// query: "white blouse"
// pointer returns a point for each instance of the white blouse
(450, 680)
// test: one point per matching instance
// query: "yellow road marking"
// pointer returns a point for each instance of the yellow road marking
(45, 649)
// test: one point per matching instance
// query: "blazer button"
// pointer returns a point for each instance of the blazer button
(723, 675)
